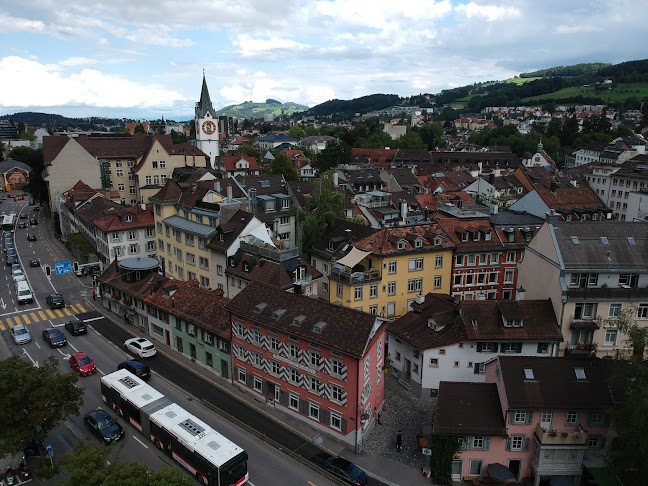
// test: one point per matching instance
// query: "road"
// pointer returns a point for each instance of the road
(267, 465)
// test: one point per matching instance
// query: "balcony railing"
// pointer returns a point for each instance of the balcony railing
(269, 252)
(606, 293)
(565, 437)
(586, 323)
(355, 277)
(581, 349)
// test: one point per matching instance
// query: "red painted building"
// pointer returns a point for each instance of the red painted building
(317, 361)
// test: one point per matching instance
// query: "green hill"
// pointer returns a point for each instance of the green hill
(251, 110)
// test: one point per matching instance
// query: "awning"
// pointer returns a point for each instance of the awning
(352, 258)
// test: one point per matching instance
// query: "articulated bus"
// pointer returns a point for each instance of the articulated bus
(8, 223)
(212, 459)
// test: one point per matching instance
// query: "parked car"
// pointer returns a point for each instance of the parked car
(11, 260)
(76, 327)
(138, 368)
(141, 347)
(341, 468)
(82, 364)
(103, 425)
(34, 262)
(54, 338)
(55, 301)
(31, 237)
(20, 334)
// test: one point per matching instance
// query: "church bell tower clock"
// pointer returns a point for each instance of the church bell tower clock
(206, 125)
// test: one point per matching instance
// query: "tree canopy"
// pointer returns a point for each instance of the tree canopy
(34, 401)
(336, 152)
(283, 165)
(321, 211)
(88, 465)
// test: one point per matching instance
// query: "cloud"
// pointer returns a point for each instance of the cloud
(490, 12)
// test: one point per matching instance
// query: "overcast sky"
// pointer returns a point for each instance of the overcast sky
(145, 59)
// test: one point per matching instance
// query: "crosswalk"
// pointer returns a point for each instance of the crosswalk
(29, 317)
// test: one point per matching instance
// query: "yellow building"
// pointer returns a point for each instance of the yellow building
(383, 273)
(185, 221)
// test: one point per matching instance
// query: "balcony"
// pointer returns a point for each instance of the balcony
(606, 293)
(560, 437)
(585, 323)
(346, 276)
(581, 349)
(263, 250)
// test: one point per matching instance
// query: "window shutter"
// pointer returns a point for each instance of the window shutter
(601, 443)
(511, 416)
(344, 426)
(476, 368)
(486, 443)
(495, 348)
(518, 348)
(479, 347)
(525, 446)
(469, 442)
(589, 418)
(508, 443)
(539, 348)
(529, 418)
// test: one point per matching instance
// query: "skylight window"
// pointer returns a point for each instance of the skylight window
(528, 373)
(575, 240)
(580, 373)
(631, 240)
(604, 240)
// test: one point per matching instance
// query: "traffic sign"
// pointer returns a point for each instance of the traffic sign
(63, 267)
(49, 448)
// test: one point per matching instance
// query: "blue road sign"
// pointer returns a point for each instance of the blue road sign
(63, 267)
(49, 448)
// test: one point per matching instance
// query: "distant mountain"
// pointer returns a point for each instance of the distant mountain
(59, 122)
(349, 108)
(251, 111)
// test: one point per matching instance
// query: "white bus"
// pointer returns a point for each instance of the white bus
(212, 458)
(8, 223)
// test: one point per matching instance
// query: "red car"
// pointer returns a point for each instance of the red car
(83, 364)
(20, 198)
(10, 196)
(23, 216)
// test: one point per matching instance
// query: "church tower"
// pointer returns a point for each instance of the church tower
(206, 124)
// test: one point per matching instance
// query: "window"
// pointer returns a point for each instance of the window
(313, 411)
(476, 467)
(611, 336)
(314, 384)
(336, 393)
(119, 173)
(204, 263)
(121, 187)
(459, 259)
(274, 343)
(373, 309)
(508, 276)
(336, 420)
(219, 269)
(148, 180)
(596, 418)
(373, 291)
(414, 285)
(293, 401)
(434, 362)
(275, 367)
(584, 310)
(543, 348)
(162, 164)
(509, 348)
(189, 239)
(133, 248)
(392, 266)
(571, 418)
(340, 290)
(642, 311)
(240, 376)
(519, 416)
(191, 259)
(471, 259)
(457, 279)
(517, 442)
(437, 281)
(391, 288)
(258, 384)
(510, 257)
(293, 351)
(615, 309)
(154, 164)
(415, 264)
(294, 375)
(546, 417)
(336, 367)
(357, 293)
(438, 261)
(314, 359)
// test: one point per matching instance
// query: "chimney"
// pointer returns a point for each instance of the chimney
(519, 295)
(494, 208)
(335, 178)
(403, 209)
(217, 186)
(229, 194)
(348, 234)
(552, 218)
(253, 201)
(553, 186)
(426, 214)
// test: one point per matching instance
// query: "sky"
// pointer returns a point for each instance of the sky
(145, 59)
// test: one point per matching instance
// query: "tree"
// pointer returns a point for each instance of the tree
(88, 465)
(336, 152)
(283, 165)
(21, 154)
(628, 447)
(321, 211)
(411, 140)
(296, 132)
(443, 449)
(139, 129)
(25, 135)
(34, 401)
(432, 135)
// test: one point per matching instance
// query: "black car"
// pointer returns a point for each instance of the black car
(22, 224)
(33, 221)
(138, 368)
(11, 260)
(343, 469)
(34, 262)
(54, 338)
(55, 301)
(76, 327)
(31, 237)
(103, 425)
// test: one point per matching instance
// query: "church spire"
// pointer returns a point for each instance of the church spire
(205, 104)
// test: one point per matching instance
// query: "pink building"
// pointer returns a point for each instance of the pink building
(537, 418)
(319, 362)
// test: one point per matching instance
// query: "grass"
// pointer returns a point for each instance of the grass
(81, 243)
(516, 81)
(620, 92)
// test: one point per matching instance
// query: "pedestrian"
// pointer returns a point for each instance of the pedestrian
(399, 441)
(419, 436)
(377, 414)
(94, 294)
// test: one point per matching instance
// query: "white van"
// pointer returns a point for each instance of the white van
(24, 292)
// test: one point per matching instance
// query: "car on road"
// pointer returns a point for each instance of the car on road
(23, 215)
(36, 208)
(8, 248)
(20, 198)
(55, 301)
(76, 328)
(20, 334)
(33, 221)
(141, 347)
(34, 262)
(82, 364)
(22, 224)
(32, 202)
(100, 423)
(31, 237)
(54, 338)
(138, 368)
(11, 260)
(10, 196)
(341, 468)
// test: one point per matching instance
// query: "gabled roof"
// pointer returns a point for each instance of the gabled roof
(570, 198)
(277, 137)
(340, 239)
(229, 162)
(9, 164)
(469, 409)
(404, 177)
(140, 289)
(385, 241)
(195, 305)
(345, 329)
(114, 218)
(230, 231)
(555, 385)
(169, 194)
(268, 272)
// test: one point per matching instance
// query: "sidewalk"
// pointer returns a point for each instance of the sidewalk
(375, 464)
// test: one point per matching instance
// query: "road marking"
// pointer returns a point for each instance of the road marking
(42, 315)
(142, 443)
(58, 312)
(81, 308)
(72, 346)
(50, 314)
(9, 322)
(2, 326)
(34, 316)
(26, 319)
(35, 363)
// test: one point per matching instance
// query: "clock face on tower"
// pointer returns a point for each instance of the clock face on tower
(209, 127)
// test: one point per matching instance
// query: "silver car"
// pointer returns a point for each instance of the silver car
(20, 334)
